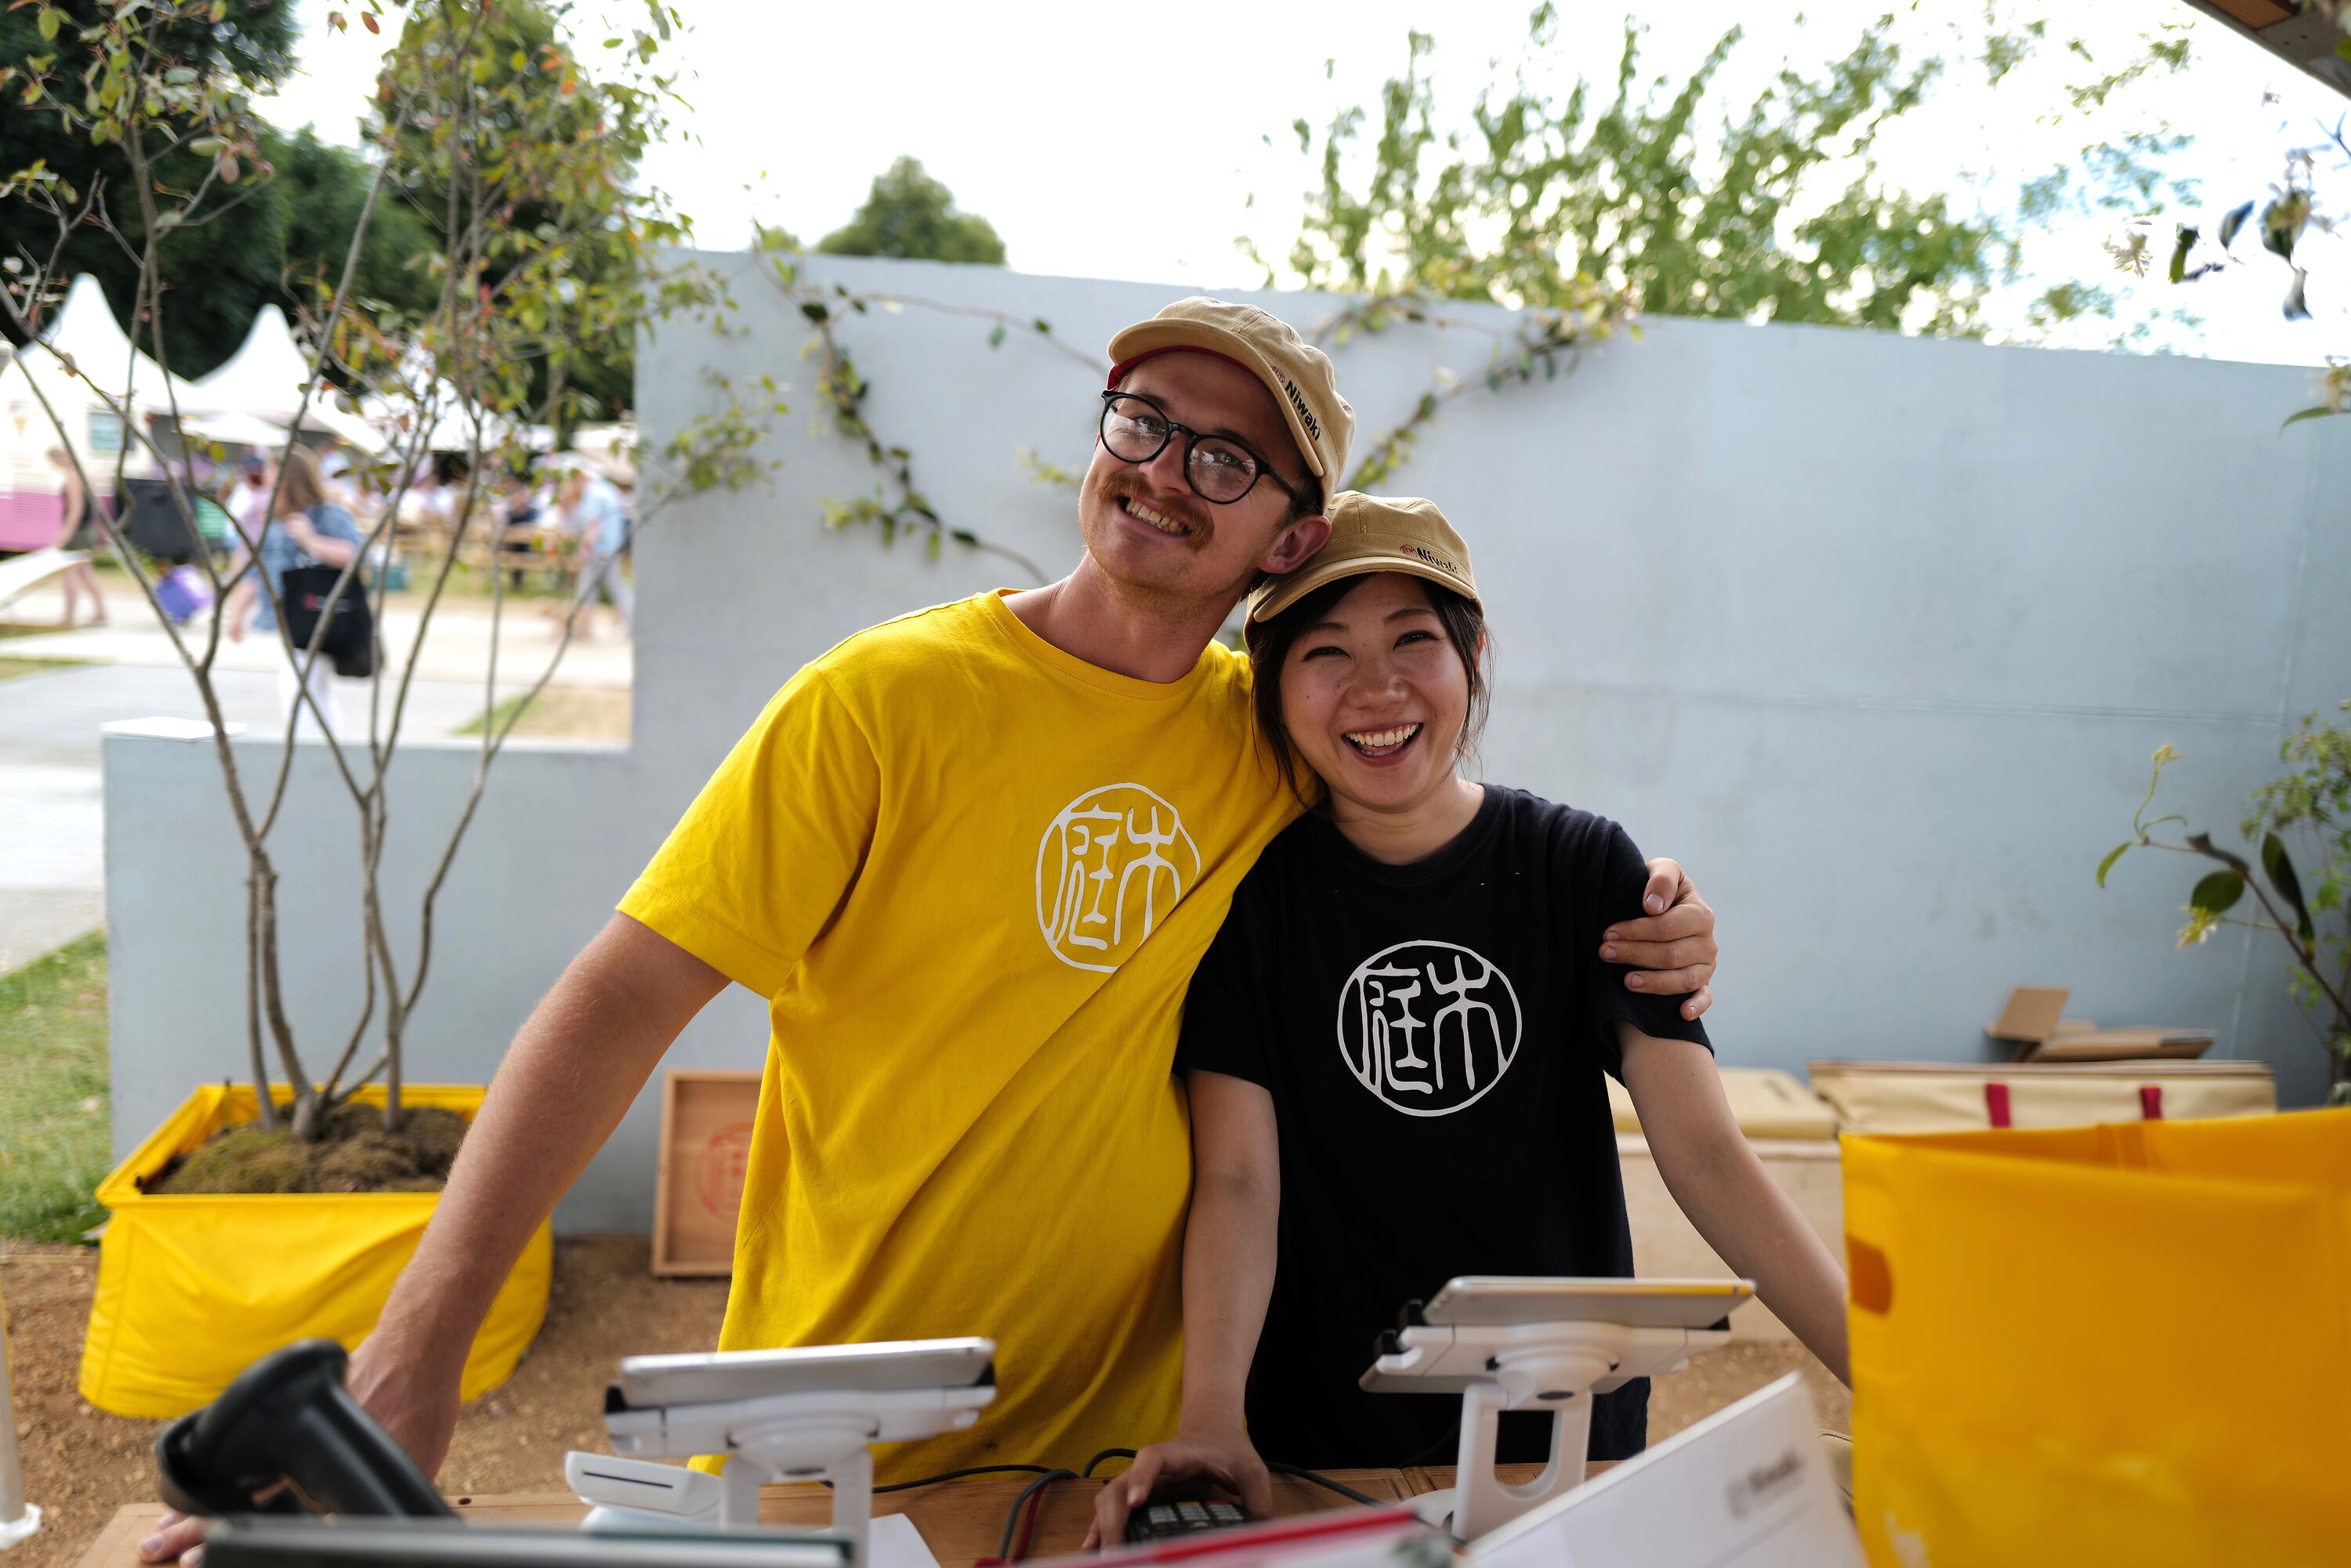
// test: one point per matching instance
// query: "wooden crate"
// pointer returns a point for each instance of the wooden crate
(705, 1138)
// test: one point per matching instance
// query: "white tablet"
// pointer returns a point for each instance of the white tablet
(1494, 1301)
(709, 1378)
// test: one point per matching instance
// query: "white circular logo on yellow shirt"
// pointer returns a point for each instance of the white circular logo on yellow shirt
(1113, 864)
(1429, 1027)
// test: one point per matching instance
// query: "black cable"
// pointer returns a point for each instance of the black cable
(1012, 1518)
(1327, 1484)
(958, 1474)
(1106, 1454)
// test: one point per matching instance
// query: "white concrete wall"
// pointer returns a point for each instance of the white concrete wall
(1876, 634)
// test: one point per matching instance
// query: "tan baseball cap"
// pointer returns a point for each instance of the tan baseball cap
(1298, 373)
(1369, 534)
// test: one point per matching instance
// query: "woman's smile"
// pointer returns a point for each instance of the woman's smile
(1383, 745)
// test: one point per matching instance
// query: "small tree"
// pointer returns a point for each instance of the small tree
(522, 161)
(911, 215)
(2312, 802)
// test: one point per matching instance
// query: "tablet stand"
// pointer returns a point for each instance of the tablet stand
(818, 1433)
(1554, 1366)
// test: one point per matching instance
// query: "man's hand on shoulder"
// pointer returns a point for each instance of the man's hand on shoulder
(1672, 948)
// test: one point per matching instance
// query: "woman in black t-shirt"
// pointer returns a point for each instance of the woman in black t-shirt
(1394, 1047)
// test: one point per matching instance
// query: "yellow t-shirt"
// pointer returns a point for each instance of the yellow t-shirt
(973, 875)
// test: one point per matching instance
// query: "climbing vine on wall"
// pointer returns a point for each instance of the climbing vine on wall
(1537, 342)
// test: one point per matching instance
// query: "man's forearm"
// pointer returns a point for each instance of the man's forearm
(569, 1076)
(1229, 1264)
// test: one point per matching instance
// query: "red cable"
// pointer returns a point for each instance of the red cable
(1029, 1525)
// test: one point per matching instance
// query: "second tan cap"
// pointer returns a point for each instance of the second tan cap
(1374, 533)
(1298, 373)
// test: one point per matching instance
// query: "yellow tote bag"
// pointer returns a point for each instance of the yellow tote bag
(192, 1287)
(2117, 1344)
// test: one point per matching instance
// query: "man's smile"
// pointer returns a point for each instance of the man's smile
(1143, 512)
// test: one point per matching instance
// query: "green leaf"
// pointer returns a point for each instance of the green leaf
(2234, 221)
(2321, 412)
(2202, 844)
(2217, 894)
(47, 24)
(814, 310)
(2282, 876)
(2107, 864)
(2180, 249)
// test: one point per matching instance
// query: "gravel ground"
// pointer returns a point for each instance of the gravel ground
(81, 1465)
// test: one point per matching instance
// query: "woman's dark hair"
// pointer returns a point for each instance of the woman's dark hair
(1269, 643)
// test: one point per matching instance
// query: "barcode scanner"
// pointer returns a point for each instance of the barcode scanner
(288, 1418)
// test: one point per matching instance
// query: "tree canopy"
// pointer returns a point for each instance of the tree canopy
(910, 214)
(239, 258)
(291, 223)
(1773, 211)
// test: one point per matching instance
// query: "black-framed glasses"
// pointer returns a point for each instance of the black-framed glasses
(1219, 469)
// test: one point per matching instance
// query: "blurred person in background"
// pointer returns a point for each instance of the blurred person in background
(308, 529)
(594, 515)
(521, 517)
(248, 503)
(78, 527)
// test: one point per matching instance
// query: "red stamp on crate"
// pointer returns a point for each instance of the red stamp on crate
(718, 1173)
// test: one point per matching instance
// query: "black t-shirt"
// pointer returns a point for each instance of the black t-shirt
(1458, 1124)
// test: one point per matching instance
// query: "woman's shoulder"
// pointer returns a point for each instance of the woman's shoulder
(329, 519)
(1570, 830)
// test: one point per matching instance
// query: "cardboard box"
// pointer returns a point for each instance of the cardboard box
(2031, 1022)
(1871, 1097)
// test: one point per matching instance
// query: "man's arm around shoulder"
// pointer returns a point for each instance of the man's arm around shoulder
(566, 1081)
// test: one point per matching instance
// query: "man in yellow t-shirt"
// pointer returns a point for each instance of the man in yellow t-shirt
(971, 857)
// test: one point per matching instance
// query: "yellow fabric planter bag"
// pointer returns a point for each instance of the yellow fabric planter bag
(192, 1287)
(2117, 1344)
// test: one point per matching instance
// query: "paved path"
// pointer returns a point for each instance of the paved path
(52, 818)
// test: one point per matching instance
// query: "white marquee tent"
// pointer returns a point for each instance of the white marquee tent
(85, 331)
(263, 380)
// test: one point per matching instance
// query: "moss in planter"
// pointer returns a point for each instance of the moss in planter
(241, 1158)
(355, 1155)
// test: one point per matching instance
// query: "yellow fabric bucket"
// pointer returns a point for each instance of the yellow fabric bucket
(192, 1287)
(2109, 1343)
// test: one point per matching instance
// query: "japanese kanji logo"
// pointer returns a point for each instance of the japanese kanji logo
(1111, 865)
(1429, 1027)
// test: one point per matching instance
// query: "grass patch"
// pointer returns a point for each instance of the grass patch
(55, 1140)
(562, 713)
(11, 668)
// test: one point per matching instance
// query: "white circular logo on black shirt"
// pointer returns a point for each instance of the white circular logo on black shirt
(1429, 1027)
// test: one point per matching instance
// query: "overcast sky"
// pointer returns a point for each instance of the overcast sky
(1030, 113)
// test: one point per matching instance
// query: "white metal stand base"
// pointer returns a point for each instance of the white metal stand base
(21, 1527)
(1554, 1366)
(819, 1435)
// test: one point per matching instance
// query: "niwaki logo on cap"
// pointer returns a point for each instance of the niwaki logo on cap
(1305, 414)
(1436, 560)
